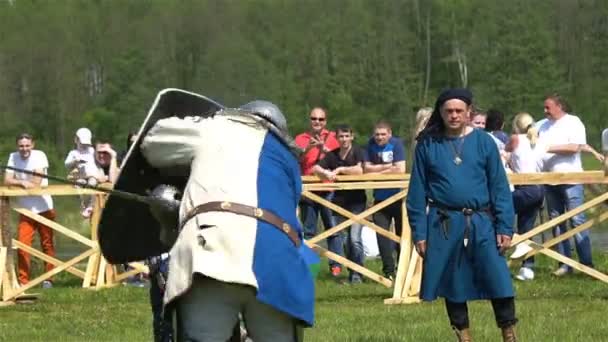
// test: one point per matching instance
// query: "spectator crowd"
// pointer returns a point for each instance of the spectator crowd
(553, 144)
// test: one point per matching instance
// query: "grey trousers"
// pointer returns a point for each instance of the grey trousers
(209, 311)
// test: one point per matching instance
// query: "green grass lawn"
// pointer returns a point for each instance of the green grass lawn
(550, 309)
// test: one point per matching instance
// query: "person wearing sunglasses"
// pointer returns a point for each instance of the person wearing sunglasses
(317, 142)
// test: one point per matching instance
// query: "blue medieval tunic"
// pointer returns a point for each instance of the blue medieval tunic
(450, 270)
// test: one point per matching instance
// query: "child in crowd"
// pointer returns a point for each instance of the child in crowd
(82, 168)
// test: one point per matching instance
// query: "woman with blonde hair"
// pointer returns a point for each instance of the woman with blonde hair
(422, 118)
(527, 199)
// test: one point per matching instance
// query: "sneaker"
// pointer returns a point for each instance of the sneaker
(520, 251)
(390, 276)
(336, 270)
(47, 284)
(356, 279)
(525, 273)
(562, 271)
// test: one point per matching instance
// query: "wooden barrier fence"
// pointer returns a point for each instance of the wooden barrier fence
(406, 285)
(98, 272)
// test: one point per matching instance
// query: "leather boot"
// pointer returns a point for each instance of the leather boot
(463, 335)
(508, 334)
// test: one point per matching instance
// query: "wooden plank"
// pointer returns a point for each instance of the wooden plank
(414, 289)
(101, 273)
(565, 216)
(90, 273)
(361, 178)
(576, 265)
(405, 300)
(404, 255)
(354, 186)
(351, 217)
(552, 178)
(56, 226)
(3, 253)
(410, 273)
(138, 268)
(48, 274)
(356, 267)
(54, 190)
(8, 282)
(47, 258)
(570, 233)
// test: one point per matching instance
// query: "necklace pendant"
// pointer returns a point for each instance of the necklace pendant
(457, 160)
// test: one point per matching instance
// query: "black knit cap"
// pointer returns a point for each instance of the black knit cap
(454, 93)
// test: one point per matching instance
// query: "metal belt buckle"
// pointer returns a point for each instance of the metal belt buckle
(257, 212)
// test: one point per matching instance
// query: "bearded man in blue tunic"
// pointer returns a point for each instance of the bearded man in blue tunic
(461, 212)
(239, 247)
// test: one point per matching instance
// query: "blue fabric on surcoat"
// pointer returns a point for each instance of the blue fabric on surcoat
(450, 270)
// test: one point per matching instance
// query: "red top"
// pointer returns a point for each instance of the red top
(310, 158)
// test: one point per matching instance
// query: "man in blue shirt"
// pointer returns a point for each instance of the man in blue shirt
(386, 154)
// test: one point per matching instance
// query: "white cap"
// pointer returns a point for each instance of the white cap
(84, 135)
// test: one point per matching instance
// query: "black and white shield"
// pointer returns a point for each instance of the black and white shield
(127, 230)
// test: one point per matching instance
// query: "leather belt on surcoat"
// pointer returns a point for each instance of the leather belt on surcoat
(246, 210)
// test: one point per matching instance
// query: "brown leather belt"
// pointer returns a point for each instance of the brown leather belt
(242, 209)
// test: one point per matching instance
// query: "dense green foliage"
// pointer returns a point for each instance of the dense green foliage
(66, 64)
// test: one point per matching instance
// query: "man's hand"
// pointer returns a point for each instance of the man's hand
(421, 248)
(503, 242)
(27, 184)
(330, 175)
(315, 141)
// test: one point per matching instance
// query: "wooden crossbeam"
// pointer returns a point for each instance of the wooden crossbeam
(56, 226)
(354, 266)
(574, 264)
(566, 235)
(47, 258)
(364, 177)
(554, 178)
(355, 186)
(91, 271)
(49, 274)
(53, 190)
(137, 268)
(404, 255)
(561, 218)
(3, 254)
(360, 218)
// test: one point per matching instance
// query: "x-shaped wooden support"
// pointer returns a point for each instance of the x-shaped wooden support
(351, 218)
(545, 247)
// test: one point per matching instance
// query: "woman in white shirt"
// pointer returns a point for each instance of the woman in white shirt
(525, 157)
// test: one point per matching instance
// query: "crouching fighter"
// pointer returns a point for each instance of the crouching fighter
(461, 213)
(237, 248)
(234, 240)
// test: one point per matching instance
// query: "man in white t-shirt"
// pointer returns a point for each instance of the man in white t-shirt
(563, 136)
(27, 158)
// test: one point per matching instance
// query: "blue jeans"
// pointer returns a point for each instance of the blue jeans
(161, 319)
(309, 212)
(527, 200)
(386, 246)
(561, 198)
(354, 243)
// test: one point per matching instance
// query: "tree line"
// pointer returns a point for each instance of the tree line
(100, 63)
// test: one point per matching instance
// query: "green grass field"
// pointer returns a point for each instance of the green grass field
(574, 308)
(550, 309)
